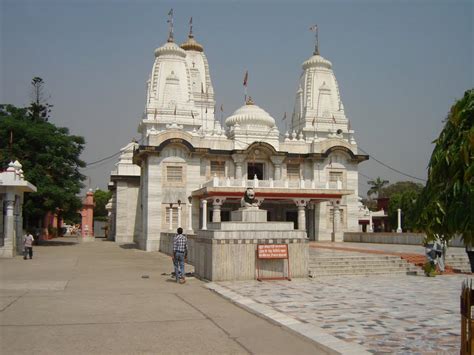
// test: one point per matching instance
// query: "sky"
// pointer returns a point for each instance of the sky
(400, 65)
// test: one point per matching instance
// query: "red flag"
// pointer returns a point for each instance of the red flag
(246, 77)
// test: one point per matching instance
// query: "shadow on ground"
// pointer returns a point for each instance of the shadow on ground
(128, 246)
(55, 243)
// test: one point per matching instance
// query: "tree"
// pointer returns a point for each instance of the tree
(400, 187)
(101, 198)
(376, 186)
(39, 108)
(446, 204)
(403, 195)
(405, 200)
(50, 159)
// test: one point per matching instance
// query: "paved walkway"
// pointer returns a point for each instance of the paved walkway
(92, 299)
(353, 314)
(382, 314)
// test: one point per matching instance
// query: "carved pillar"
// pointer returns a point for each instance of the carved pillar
(371, 228)
(204, 215)
(238, 161)
(277, 162)
(216, 209)
(399, 220)
(179, 215)
(301, 204)
(190, 212)
(336, 218)
(9, 221)
(171, 217)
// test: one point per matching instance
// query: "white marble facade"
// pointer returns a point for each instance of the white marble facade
(12, 188)
(190, 169)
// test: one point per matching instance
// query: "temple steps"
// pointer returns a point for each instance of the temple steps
(360, 265)
(459, 262)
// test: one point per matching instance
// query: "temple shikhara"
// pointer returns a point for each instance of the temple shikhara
(190, 168)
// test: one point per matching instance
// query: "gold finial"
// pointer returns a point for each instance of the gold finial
(170, 21)
(191, 44)
(314, 29)
(249, 101)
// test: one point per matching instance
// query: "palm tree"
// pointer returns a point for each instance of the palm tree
(376, 186)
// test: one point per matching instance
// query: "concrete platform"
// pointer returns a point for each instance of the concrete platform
(92, 298)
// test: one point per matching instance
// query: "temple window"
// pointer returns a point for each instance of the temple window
(174, 173)
(293, 171)
(217, 168)
(334, 176)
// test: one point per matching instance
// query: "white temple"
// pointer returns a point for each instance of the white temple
(188, 169)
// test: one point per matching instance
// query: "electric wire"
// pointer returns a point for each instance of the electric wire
(389, 167)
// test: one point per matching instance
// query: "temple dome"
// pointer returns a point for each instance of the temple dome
(170, 48)
(250, 115)
(192, 45)
(317, 61)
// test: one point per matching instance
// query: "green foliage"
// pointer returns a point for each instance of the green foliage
(405, 200)
(446, 204)
(376, 186)
(50, 159)
(429, 269)
(101, 198)
(400, 187)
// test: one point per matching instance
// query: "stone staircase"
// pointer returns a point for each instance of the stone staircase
(458, 262)
(342, 264)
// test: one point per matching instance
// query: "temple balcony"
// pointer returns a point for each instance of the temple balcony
(230, 188)
(276, 184)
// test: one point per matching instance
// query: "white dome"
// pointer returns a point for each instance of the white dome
(250, 115)
(170, 48)
(317, 61)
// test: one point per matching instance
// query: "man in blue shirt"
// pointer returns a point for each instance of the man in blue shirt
(180, 253)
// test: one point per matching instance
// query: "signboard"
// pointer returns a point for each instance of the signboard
(272, 251)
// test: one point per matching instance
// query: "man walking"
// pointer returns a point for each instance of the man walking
(180, 252)
(28, 245)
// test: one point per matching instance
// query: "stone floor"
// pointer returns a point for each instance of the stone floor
(383, 314)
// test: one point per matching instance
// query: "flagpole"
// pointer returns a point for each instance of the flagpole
(246, 77)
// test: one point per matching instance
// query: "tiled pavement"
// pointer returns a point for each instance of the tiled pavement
(384, 314)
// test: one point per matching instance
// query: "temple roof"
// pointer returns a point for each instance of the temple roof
(250, 115)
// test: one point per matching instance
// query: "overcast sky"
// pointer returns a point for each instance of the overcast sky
(400, 65)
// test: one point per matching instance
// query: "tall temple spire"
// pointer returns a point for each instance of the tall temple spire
(170, 21)
(314, 29)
